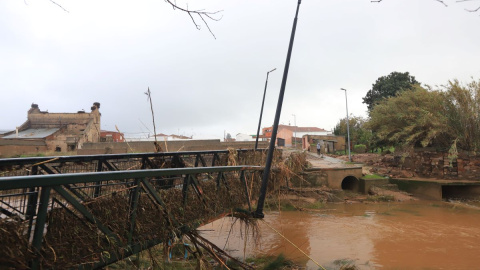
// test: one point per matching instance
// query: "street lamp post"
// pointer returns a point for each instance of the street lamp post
(268, 163)
(348, 129)
(295, 123)
(261, 110)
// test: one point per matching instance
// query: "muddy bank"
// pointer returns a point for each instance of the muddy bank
(313, 198)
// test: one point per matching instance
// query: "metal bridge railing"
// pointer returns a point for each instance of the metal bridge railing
(65, 220)
(114, 162)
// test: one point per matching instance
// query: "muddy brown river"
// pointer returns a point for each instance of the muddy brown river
(412, 235)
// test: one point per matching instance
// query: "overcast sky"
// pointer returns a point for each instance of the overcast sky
(110, 51)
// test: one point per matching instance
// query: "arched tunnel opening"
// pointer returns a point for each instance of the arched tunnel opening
(350, 183)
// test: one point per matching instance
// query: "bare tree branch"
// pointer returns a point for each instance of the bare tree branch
(473, 10)
(469, 10)
(59, 5)
(200, 13)
(443, 3)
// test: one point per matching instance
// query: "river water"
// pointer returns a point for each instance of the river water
(408, 235)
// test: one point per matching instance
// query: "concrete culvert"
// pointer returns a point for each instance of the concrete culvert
(350, 183)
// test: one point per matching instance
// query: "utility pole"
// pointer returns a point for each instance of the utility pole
(266, 173)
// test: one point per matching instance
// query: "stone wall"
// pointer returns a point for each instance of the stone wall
(433, 164)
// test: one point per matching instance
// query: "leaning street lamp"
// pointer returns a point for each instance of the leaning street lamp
(261, 110)
(348, 129)
(258, 213)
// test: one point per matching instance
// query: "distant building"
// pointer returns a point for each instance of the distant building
(44, 131)
(287, 135)
(241, 137)
(160, 137)
(111, 136)
(329, 143)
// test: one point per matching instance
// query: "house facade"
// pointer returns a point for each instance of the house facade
(287, 135)
(111, 136)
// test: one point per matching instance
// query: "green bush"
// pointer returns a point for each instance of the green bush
(360, 148)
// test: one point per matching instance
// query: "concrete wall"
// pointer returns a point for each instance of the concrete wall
(168, 146)
(332, 177)
(422, 189)
(439, 189)
(9, 148)
(367, 184)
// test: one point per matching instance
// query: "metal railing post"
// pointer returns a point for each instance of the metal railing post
(40, 225)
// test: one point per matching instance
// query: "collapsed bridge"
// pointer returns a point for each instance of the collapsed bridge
(90, 211)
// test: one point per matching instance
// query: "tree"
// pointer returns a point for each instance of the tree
(389, 86)
(462, 108)
(412, 118)
(358, 133)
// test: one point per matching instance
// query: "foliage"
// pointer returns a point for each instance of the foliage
(358, 133)
(462, 107)
(360, 148)
(446, 118)
(412, 118)
(389, 86)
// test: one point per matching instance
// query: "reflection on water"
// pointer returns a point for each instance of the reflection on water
(417, 235)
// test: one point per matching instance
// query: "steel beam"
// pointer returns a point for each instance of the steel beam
(134, 197)
(40, 225)
(18, 182)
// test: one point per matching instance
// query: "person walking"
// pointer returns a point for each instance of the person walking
(318, 148)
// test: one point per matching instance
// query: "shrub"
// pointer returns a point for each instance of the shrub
(360, 148)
